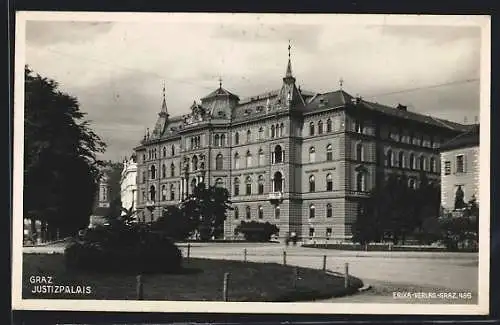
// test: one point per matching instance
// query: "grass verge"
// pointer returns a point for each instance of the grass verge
(200, 280)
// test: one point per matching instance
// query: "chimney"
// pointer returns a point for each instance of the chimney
(402, 107)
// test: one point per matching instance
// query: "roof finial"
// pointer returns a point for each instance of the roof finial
(220, 82)
(288, 73)
(341, 82)
(289, 48)
(164, 101)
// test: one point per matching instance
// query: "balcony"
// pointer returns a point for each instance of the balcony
(275, 196)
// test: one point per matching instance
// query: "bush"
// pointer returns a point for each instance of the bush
(257, 231)
(128, 252)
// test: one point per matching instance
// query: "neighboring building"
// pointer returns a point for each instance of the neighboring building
(102, 203)
(460, 168)
(128, 184)
(304, 161)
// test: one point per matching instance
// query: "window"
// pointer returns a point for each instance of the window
(248, 186)
(328, 126)
(248, 212)
(236, 213)
(277, 212)
(236, 161)
(358, 126)
(278, 154)
(360, 182)
(222, 140)
(237, 138)
(311, 232)
(249, 136)
(412, 161)
(144, 177)
(281, 129)
(328, 232)
(236, 186)
(312, 184)
(433, 165)
(273, 134)
(152, 193)
(329, 152)
(164, 152)
(172, 150)
(261, 157)
(312, 211)
(389, 158)
(401, 157)
(329, 183)
(153, 172)
(261, 212)
(163, 171)
(194, 161)
(172, 170)
(329, 210)
(460, 164)
(218, 162)
(216, 140)
(193, 184)
(411, 183)
(360, 152)
(219, 183)
(320, 127)
(312, 154)
(249, 159)
(143, 157)
(261, 185)
(278, 182)
(447, 167)
(261, 133)
(422, 163)
(163, 193)
(311, 129)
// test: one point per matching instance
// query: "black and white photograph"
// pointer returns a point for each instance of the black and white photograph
(251, 163)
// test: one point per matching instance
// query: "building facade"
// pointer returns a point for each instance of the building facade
(302, 160)
(128, 184)
(460, 168)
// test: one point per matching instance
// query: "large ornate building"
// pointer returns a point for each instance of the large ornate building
(298, 159)
(128, 184)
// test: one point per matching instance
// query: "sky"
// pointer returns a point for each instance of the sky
(116, 69)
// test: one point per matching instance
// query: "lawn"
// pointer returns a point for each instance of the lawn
(201, 280)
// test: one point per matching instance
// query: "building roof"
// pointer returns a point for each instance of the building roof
(466, 139)
(220, 92)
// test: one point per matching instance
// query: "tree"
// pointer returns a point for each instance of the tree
(60, 164)
(174, 224)
(257, 231)
(205, 209)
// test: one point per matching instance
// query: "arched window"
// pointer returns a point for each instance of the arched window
(236, 161)
(261, 133)
(172, 192)
(163, 193)
(236, 186)
(237, 138)
(422, 163)
(329, 152)
(278, 182)
(216, 140)
(164, 151)
(194, 162)
(281, 129)
(236, 213)
(312, 154)
(218, 162)
(248, 212)
(261, 212)
(329, 210)
(360, 152)
(249, 136)
(389, 158)
(248, 186)
(412, 161)
(328, 126)
(193, 184)
(152, 193)
(329, 182)
(261, 184)
(261, 157)
(172, 170)
(273, 131)
(277, 212)
(163, 171)
(312, 211)
(222, 140)
(360, 182)
(219, 183)
(311, 129)
(433, 165)
(411, 183)
(401, 158)
(312, 184)
(249, 159)
(172, 150)
(278, 154)
(153, 171)
(320, 127)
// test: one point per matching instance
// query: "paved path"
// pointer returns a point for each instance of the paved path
(389, 270)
